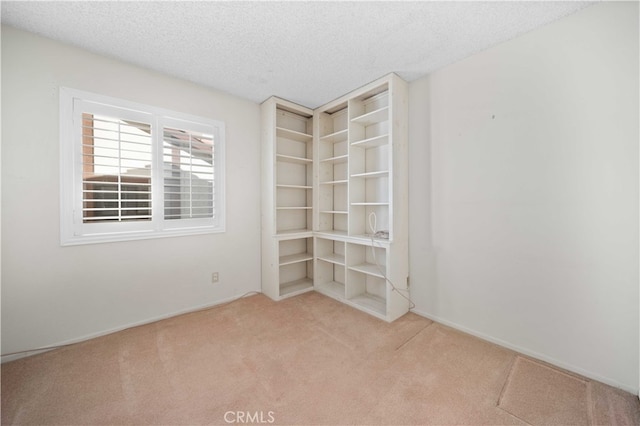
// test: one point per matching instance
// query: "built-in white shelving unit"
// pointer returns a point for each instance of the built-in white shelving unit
(287, 198)
(325, 172)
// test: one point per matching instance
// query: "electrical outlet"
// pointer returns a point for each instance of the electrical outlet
(214, 277)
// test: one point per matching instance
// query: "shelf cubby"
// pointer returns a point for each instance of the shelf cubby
(359, 213)
(369, 190)
(333, 122)
(295, 287)
(370, 302)
(293, 221)
(331, 251)
(366, 283)
(294, 173)
(367, 259)
(371, 105)
(295, 250)
(288, 196)
(295, 263)
(330, 267)
(369, 121)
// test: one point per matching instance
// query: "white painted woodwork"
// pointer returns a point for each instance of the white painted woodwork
(287, 198)
(324, 173)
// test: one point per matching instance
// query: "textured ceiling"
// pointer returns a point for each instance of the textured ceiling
(307, 52)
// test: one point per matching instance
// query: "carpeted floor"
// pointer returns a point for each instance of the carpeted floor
(305, 360)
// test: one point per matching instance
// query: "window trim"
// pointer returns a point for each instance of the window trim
(74, 232)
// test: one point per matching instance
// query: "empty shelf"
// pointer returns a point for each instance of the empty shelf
(366, 175)
(369, 269)
(293, 134)
(336, 159)
(332, 288)
(297, 286)
(295, 258)
(371, 302)
(338, 259)
(293, 233)
(339, 136)
(332, 233)
(370, 204)
(372, 117)
(372, 142)
(294, 186)
(292, 159)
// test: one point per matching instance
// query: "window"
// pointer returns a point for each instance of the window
(131, 171)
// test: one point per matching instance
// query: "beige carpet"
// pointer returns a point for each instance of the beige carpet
(539, 394)
(305, 360)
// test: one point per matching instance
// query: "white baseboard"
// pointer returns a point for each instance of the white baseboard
(123, 327)
(528, 352)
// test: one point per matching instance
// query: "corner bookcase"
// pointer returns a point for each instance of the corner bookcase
(325, 172)
(287, 198)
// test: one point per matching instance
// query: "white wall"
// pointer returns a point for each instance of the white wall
(422, 268)
(534, 202)
(52, 294)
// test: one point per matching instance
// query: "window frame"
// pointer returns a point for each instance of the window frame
(73, 230)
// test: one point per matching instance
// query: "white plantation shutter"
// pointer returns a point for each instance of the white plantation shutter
(189, 173)
(116, 169)
(131, 171)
